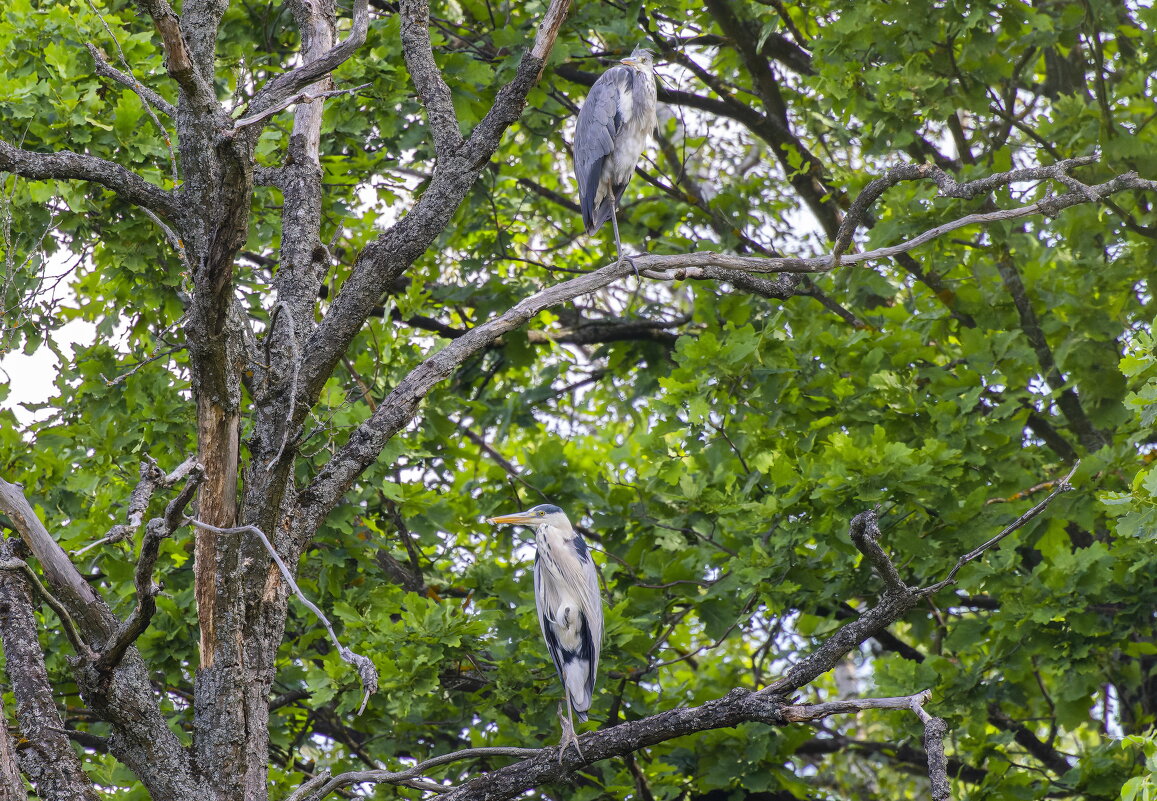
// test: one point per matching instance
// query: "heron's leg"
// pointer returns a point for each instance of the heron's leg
(618, 246)
(568, 736)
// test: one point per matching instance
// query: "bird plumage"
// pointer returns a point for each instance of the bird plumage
(612, 130)
(566, 594)
(569, 610)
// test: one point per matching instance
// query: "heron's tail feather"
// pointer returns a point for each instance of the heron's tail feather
(595, 217)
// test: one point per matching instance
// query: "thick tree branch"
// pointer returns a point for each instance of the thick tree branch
(47, 758)
(66, 165)
(542, 765)
(428, 80)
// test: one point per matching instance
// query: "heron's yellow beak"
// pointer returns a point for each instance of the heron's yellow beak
(519, 517)
(629, 62)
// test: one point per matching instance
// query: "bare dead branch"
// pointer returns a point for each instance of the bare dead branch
(302, 97)
(152, 477)
(1062, 486)
(285, 86)
(431, 86)
(366, 670)
(158, 529)
(865, 532)
(806, 713)
(66, 165)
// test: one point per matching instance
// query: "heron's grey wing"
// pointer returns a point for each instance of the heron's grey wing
(592, 609)
(599, 122)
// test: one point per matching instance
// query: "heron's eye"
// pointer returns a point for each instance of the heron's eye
(540, 514)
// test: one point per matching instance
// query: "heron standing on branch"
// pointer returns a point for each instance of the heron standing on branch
(613, 127)
(570, 611)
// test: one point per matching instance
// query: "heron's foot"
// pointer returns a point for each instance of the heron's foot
(631, 262)
(569, 738)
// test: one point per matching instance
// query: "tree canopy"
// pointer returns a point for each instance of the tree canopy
(894, 294)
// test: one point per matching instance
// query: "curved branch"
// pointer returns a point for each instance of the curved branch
(66, 165)
(366, 442)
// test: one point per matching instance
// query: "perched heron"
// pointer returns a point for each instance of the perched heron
(613, 126)
(570, 611)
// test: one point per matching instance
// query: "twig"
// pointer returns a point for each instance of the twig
(500, 460)
(366, 670)
(302, 97)
(1062, 486)
(154, 356)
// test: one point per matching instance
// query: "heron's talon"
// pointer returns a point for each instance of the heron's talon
(631, 262)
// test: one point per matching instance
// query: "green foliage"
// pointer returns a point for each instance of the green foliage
(716, 475)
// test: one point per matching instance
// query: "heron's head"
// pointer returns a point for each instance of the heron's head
(641, 59)
(542, 515)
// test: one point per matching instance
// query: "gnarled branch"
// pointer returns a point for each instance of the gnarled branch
(66, 165)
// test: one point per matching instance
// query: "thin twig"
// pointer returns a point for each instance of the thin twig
(1062, 486)
(301, 97)
(366, 670)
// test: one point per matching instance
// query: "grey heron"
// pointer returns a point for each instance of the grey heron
(612, 130)
(570, 611)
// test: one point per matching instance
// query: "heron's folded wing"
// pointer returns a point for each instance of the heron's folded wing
(599, 122)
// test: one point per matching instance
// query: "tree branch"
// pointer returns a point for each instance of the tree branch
(365, 668)
(285, 86)
(66, 165)
(1062, 486)
(158, 529)
(47, 758)
(399, 407)
(106, 70)
(432, 89)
